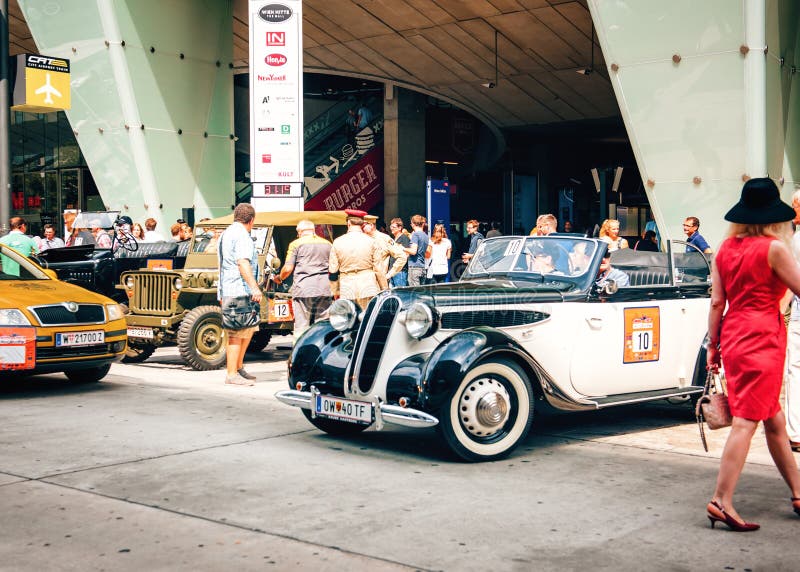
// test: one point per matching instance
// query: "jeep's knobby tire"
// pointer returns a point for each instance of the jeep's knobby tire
(201, 339)
(335, 428)
(259, 341)
(89, 374)
(138, 354)
(460, 421)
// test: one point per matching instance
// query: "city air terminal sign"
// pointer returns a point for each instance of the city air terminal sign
(41, 84)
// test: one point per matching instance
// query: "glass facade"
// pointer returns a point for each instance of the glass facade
(48, 170)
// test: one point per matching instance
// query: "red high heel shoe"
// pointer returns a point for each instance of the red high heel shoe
(796, 505)
(716, 513)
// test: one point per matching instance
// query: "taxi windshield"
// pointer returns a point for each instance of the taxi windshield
(552, 257)
(14, 266)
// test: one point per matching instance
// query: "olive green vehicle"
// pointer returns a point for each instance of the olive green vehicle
(180, 306)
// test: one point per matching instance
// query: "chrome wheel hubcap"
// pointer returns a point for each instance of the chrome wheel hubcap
(484, 407)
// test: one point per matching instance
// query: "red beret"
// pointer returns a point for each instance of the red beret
(356, 213)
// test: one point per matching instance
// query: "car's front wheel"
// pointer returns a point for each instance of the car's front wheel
(138, 354)
(201, 339)
(332, 427)
(489, 413)
(88, 374)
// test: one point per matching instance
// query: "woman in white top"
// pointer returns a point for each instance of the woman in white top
(609, 233)
(438, 252)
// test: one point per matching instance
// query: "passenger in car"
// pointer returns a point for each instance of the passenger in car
(608, 272)
(579, 260)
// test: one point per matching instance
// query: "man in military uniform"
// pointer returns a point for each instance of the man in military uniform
(356, 263)
(389, 249)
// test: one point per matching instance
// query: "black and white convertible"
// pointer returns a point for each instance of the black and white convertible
(529, 325)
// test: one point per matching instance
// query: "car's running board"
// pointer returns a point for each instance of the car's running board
(640, 396)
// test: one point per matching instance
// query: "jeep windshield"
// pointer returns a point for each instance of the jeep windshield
(549, 259)
(206, 238)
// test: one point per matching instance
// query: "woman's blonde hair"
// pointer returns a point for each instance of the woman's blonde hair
(780, 230)
(443, 233)
(606, 225)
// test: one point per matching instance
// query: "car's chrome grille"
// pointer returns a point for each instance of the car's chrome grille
(72, 352)
(371, 340)
(152, 293)
(494, 318)
(59, 314)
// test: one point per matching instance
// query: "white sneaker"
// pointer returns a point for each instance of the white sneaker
(237, 380)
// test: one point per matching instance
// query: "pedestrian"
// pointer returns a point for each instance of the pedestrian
(495, 230)
(17, 239)
(175, 231)
(138, 232)
(307, 262)
(185, 233)
(750, 274)
(355, 264)
(101, 238)
(545, 224)
(792, 388)
(647, 243)
(438, 252)
(390, 251)
(475, 239)
(403, 240)
(691, 226)
(150, 232)
(568, 228)
(50, 239)
(80, 237)
(416, 251)
(238, 292)
(609, 233)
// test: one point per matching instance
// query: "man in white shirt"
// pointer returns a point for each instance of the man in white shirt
(50, 239)
(150, 234)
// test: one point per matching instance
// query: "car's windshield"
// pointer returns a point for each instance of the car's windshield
(14, 266)
(551, 257)
(95, 219)
(206, 238)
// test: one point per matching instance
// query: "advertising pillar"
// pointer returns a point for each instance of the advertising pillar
(276, 104)
(438, 200)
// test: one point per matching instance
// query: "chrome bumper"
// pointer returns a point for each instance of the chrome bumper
(384, 413)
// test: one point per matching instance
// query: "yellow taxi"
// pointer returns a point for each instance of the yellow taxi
(49, 326)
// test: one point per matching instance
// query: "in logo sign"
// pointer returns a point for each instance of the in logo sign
(275, 60)
(276, 38)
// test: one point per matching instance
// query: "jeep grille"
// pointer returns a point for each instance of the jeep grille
(371, 340)
(152, 293)
(59, 315)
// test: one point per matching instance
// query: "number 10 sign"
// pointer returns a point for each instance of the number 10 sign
(642, 335)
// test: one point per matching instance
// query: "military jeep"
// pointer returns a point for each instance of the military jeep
(180, 306)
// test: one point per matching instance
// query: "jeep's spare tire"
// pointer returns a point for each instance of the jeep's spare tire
(201, 339)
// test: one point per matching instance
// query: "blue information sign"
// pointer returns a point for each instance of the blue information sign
(438, 200)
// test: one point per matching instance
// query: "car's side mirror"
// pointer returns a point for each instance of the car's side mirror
(276, 264)
(610, 287)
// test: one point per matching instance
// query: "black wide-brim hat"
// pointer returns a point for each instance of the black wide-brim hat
(760, 203)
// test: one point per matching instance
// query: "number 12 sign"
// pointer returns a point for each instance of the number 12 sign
(642, 335)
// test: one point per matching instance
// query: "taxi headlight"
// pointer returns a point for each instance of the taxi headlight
(177, 283)
(419, 320)
(129, 282)
(115, 312)
(342, 315)
(13, 317)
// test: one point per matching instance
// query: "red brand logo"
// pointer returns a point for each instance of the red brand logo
(267, 158)
(275, 60)
(276, 38)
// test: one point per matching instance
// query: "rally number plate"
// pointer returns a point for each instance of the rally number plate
(80, 338)
(344, 409)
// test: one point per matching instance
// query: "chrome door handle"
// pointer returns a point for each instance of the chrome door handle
(594, 321)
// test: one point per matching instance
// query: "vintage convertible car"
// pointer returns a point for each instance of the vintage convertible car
(528, 326)
(47, 325)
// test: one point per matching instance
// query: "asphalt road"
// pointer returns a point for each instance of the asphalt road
(162, 468)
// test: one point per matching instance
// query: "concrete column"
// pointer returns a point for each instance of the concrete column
(755, 88)
(411, 153)
(391, 207)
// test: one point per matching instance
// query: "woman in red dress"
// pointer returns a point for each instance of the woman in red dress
(751, 272)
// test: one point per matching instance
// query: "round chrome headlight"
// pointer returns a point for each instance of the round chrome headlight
(342, 315)
(177, 283)
(129, 282)
(419, 320)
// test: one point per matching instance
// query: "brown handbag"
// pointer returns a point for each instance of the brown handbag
(712, 407)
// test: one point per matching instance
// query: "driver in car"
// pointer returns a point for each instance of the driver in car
(606, 272)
